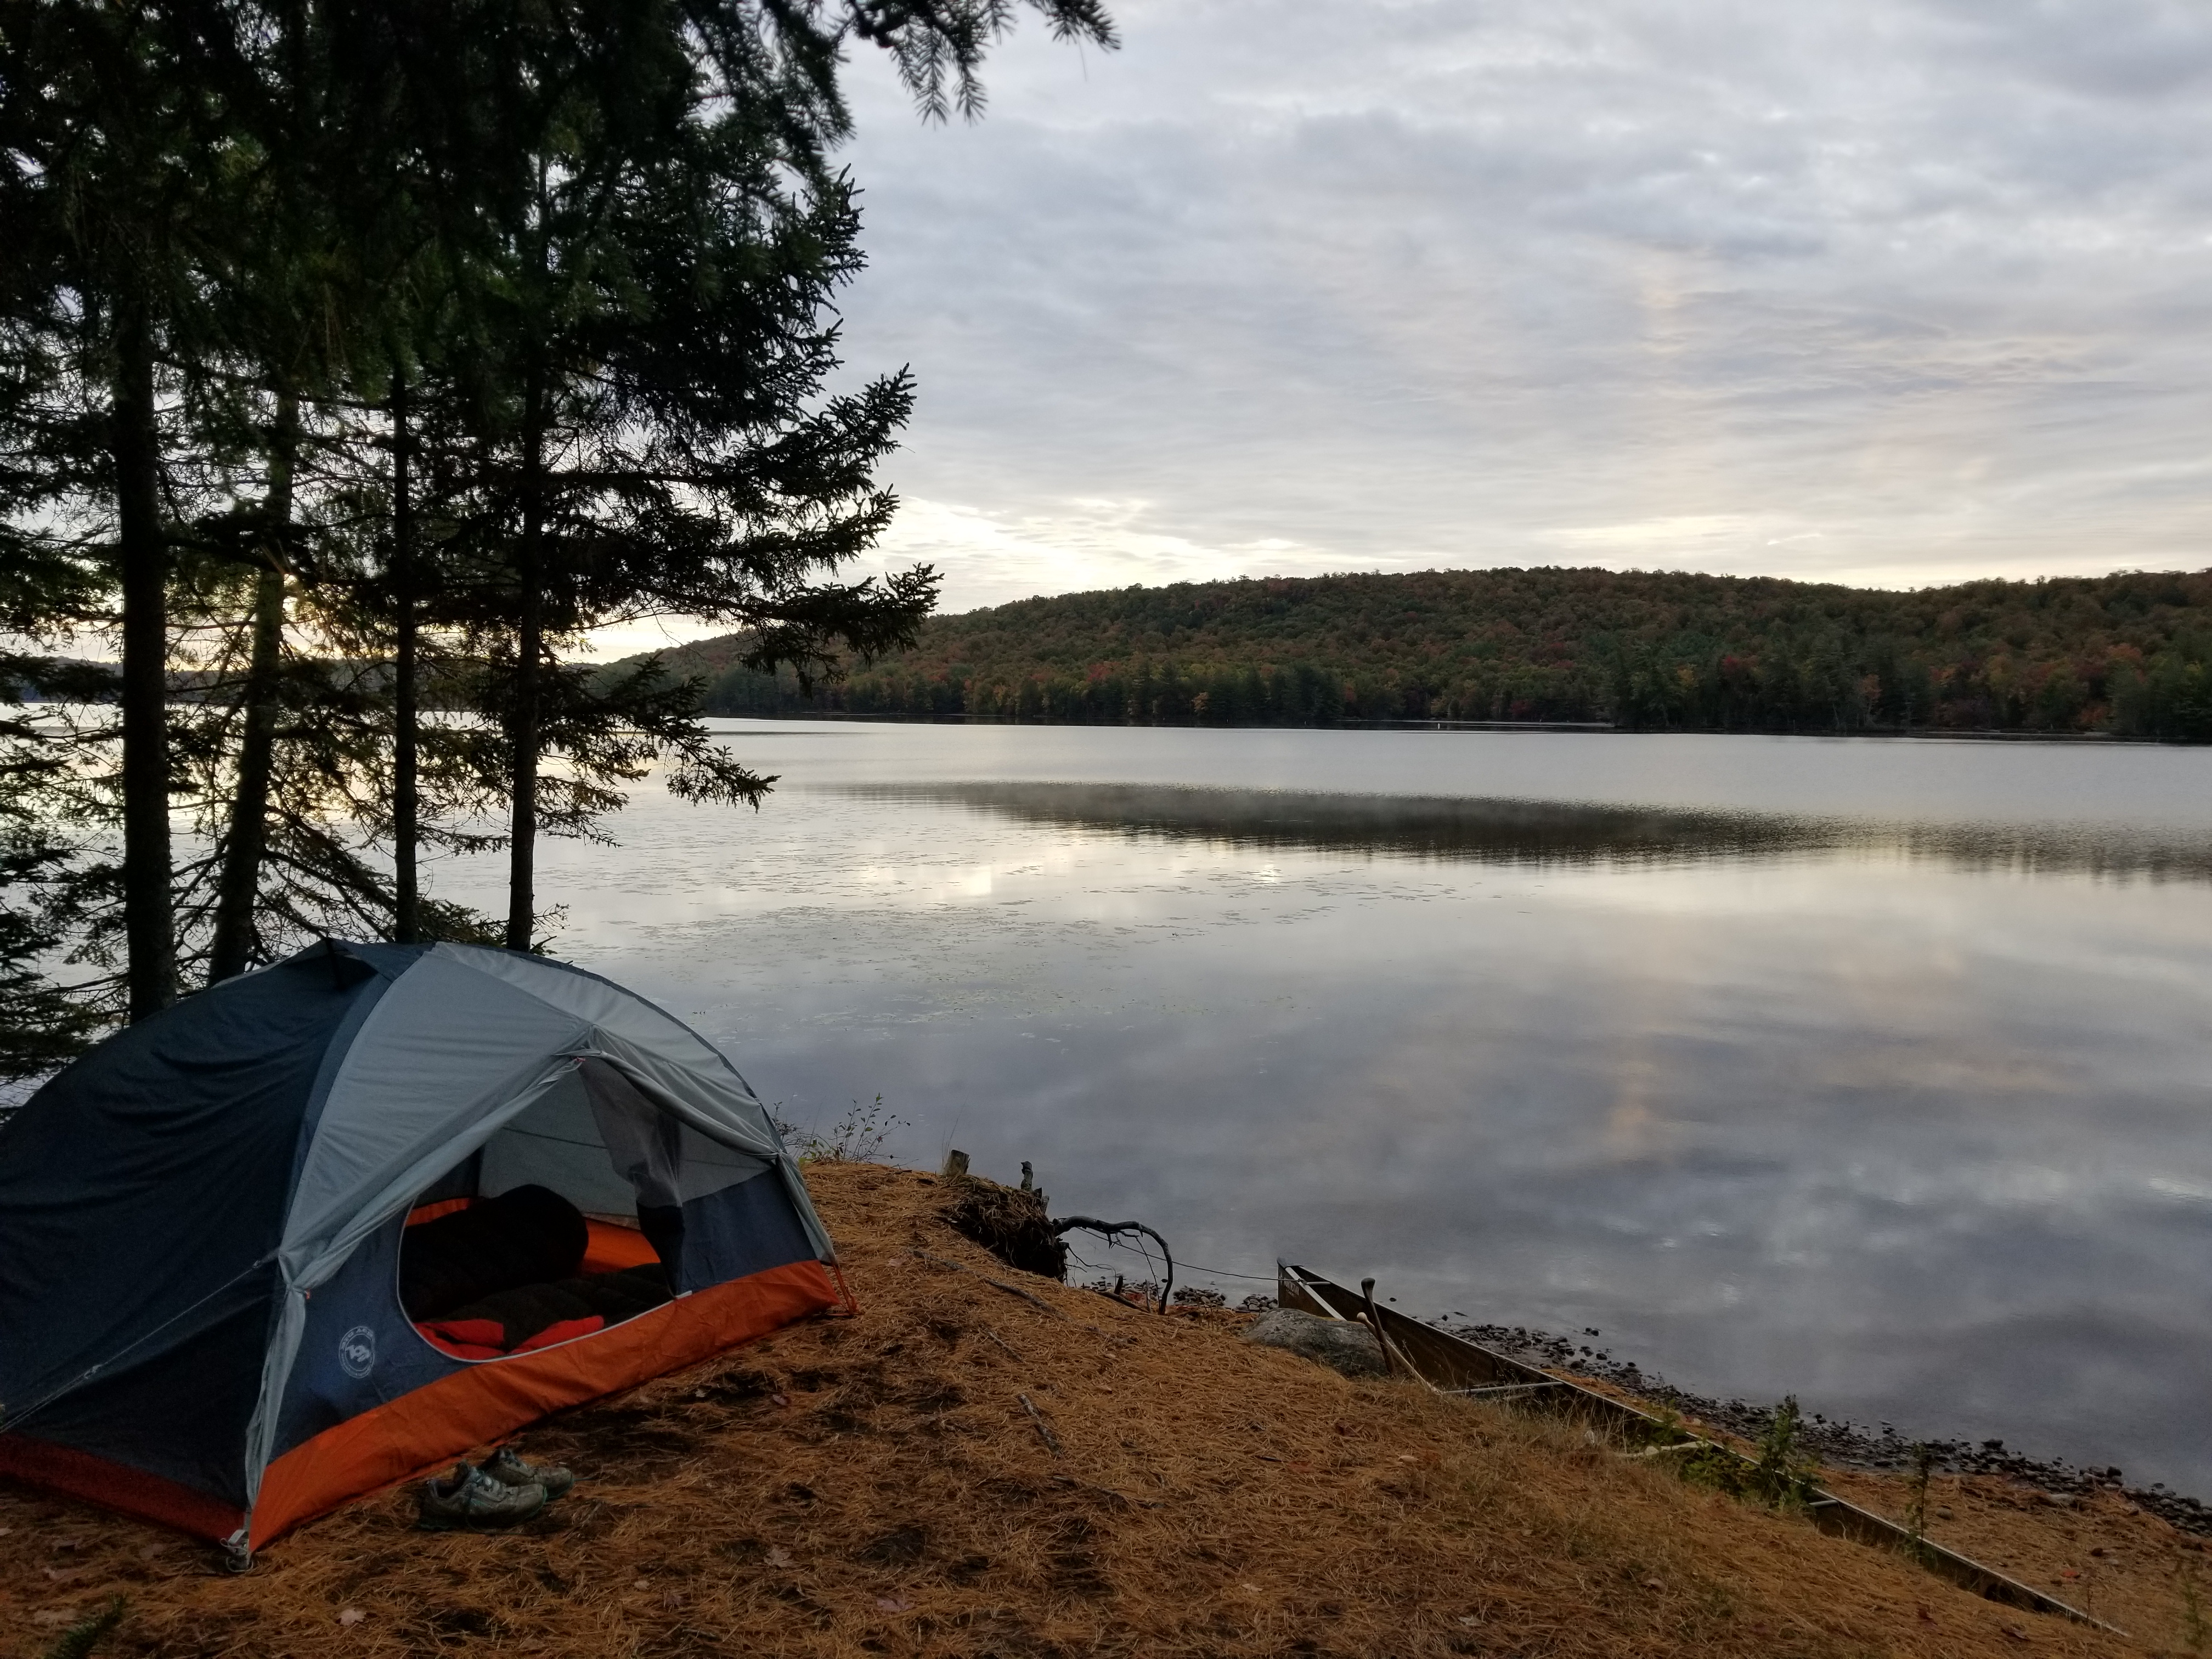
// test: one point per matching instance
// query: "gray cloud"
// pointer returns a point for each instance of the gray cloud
(1900, 291)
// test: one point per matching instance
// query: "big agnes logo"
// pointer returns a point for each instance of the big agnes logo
(357, 1350)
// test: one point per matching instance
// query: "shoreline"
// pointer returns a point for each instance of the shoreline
(1907, 733)
(1841, 1443)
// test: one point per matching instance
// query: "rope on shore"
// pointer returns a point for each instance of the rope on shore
(1110, 1229)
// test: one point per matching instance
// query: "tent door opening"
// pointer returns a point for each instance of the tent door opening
(569, 1220)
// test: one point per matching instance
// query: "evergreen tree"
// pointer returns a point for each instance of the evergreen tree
(364, 354)
(651, 437)
(114, 132)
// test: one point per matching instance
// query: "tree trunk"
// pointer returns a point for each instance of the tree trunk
(142, 564)
(240, 882)
(530, 647)
(406, 807)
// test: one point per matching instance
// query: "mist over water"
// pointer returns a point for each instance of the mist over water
(1872, 1071)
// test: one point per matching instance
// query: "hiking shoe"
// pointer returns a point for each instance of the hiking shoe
(472, 1501)
(505, 1466)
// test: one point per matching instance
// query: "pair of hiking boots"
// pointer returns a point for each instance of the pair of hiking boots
(497, 1492)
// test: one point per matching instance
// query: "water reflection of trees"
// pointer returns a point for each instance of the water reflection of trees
(1539, 832)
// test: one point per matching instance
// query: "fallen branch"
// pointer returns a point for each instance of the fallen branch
(1042, 1428)
(1109, 1230)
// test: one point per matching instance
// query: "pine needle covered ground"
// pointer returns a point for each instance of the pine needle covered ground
(962, 1471)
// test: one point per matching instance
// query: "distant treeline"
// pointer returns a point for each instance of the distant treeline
(1654, 651)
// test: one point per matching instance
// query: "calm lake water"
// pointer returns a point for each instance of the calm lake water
(1880, 1072)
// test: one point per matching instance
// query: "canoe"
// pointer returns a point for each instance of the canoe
(1454, 1365)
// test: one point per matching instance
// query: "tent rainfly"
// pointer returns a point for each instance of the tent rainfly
(201, 1224)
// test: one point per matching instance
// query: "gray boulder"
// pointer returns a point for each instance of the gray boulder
(1336, 1343)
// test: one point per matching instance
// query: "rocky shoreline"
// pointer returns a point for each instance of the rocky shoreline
(1880, 1449)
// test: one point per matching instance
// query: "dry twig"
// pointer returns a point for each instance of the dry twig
(1043, 1428)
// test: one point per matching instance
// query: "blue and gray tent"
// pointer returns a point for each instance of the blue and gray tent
(205, 1224)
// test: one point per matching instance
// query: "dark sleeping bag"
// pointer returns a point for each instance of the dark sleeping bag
(530, 1236)
(535, 1316)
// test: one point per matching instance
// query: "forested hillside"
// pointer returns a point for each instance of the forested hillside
(1654, 651)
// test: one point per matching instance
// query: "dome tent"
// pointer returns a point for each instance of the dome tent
(201, 1225)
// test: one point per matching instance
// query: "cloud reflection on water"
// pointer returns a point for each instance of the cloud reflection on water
(1870, 1110)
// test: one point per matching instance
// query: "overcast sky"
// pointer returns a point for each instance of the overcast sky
(1891, 292)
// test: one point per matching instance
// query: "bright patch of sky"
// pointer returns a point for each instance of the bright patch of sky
(1891, 292)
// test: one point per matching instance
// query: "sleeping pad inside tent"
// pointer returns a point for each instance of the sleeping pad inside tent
(329, 1224)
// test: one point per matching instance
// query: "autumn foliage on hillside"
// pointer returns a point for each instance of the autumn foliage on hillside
(2124, 653)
